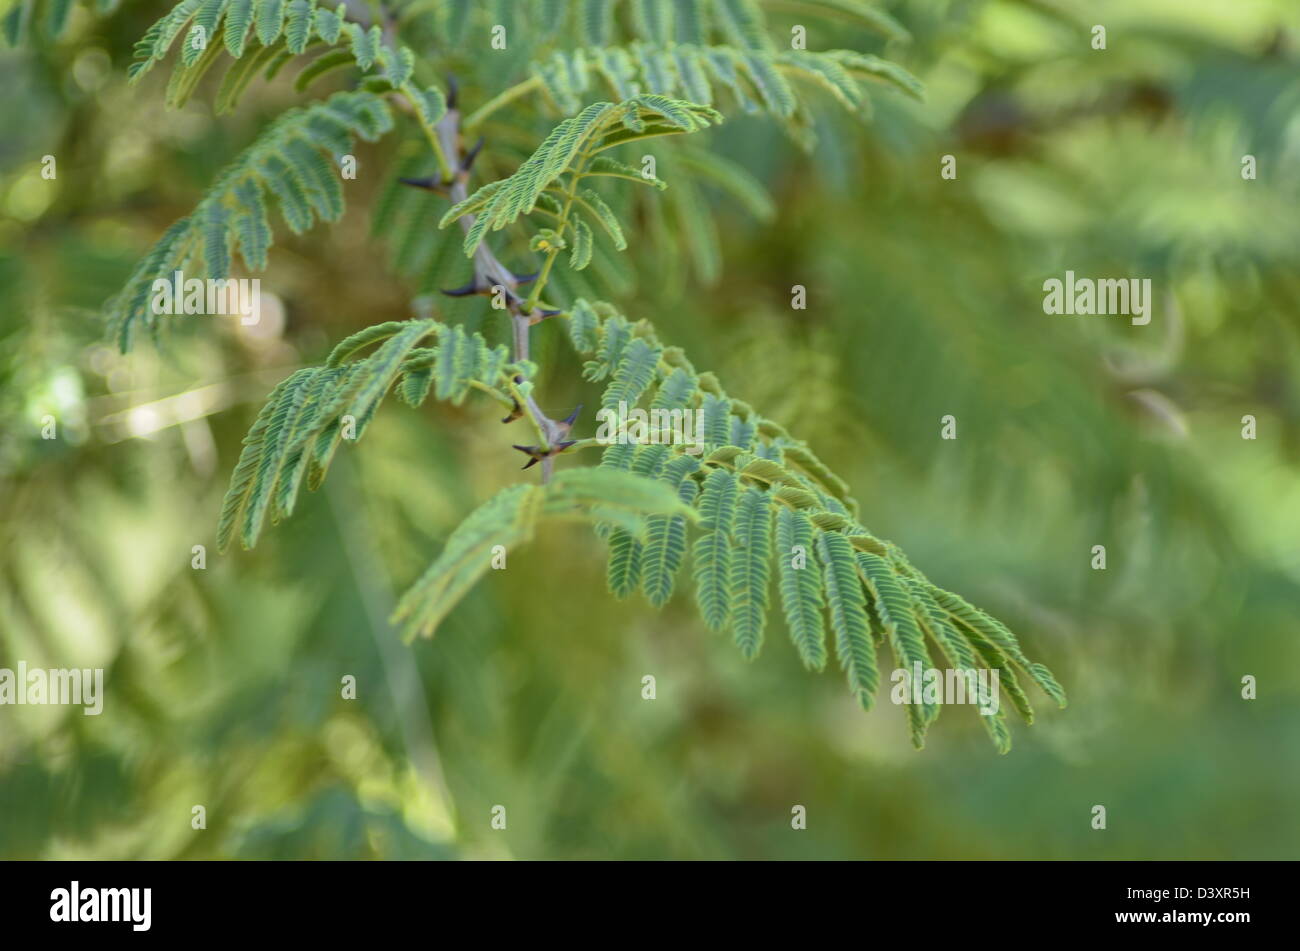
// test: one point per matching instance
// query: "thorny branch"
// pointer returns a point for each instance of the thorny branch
(489, 275)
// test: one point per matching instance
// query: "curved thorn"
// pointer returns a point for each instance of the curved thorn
(467, 291)
(432, 183)
(471, 155)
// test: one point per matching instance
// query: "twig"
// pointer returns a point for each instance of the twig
(492, 105)
(489, 273)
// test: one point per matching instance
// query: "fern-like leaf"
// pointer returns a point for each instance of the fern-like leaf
(665, 544)
(750, 568)
(508, 519)
(283, 30)
(308, 415)
(291, 160)
(902, 630)
(755, 77)
(801, 586)
(753, 472)
(567, 150)
(848, 614)
(711, 554)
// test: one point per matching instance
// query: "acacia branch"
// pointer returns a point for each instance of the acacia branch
(489, 274)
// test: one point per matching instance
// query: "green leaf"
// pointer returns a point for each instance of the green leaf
(568, 149)
(801, 586)
(584, 326)
(665, 543)
(896, 612)
(848, 613)
(202, 31)
(623, 571)
(461, 360)
(291, 160)
(507, 519)
(711, 553)
(602, 166)
(742, 22)
(383, 367)
(239, 16)
(298, 25)
(580, 256)
(997, 633)
(270, 20)
(605, 215)
(633, 375)
(873, 67)
(612, 488)
(750, 567)
(242, 481)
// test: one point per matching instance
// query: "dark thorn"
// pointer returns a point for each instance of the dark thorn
(453, 91)
(525, 278)
(532, 452)
(470, 156)
(536, 453)
(549, 313)
(432, 183)
(568, 420)
(469, 289)
(514, 413)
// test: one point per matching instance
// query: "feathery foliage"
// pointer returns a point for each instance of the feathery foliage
(574, 149)
(755, 492)
(262, 36)
(308, 415)
(754, 79)
(509, 519)
(755, 481)
(801, 585)
(706, 51)
(738, 23)
(294, 160)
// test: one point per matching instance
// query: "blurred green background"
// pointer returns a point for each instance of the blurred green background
(924, 299)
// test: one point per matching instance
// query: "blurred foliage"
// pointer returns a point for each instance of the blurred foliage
(924, 299)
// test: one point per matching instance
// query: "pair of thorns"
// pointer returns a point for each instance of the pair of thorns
(482, 284)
